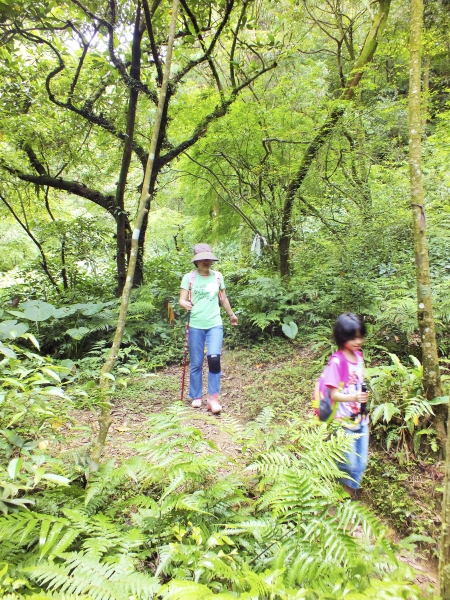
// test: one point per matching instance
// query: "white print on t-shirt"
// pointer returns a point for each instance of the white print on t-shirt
(212, 288)
(353, 383)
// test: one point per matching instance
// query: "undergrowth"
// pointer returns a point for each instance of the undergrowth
(408, 497)
(181, 520)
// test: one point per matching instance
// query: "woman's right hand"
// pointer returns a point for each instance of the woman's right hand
(186, 304)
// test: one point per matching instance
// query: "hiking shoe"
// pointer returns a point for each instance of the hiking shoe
(213, 405)
(197, 403)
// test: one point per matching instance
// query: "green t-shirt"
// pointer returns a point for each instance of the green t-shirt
(205, 297)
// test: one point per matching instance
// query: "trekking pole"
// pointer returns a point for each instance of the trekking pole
(186, 345)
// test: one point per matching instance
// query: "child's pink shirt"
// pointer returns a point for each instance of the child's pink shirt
(346, 377)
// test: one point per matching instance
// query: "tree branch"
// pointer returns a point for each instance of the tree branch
(233, 45)
(202, 127)
(209, 50)
(365, 57)
(86, 45)
(34, 161)
(85, 112)
(207, 53)
(127, 79)
(154, 49)
(73, 187)
(33, 239)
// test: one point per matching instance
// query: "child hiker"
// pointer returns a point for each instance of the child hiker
(343, 377)
(201, 292)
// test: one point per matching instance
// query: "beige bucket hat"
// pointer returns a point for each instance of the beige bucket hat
(203, 252)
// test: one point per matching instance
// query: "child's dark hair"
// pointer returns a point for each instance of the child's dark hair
(347, 327)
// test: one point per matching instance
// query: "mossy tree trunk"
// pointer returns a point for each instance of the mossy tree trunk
(327, 129)
(431, 375)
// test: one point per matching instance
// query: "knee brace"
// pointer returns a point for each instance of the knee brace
(214, 363)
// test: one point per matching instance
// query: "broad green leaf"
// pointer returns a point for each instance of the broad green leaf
(439, 400)
(13, 438)
(51, 373)
(389, 410)
(78, 333)
(59, 479)
(37, 310)
(33, 340)
(7, 351)
(65, 311)
(290, 329)
(14, 467)
(54, 391)
(12, 329)
(16, 418)
(39, 474)
(17, 313)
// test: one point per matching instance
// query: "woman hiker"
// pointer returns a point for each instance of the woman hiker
(201, 292)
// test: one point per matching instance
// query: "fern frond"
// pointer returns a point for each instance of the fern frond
(81, 575)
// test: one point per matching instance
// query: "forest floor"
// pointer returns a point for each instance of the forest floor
(280, 375)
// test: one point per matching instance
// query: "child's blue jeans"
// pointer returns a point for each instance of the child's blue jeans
(197, 338)
(357, 458)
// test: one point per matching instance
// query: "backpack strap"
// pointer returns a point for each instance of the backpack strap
(343, 361)
(218, 276)
(192, 276)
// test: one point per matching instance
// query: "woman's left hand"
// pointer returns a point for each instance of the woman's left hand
(233, 319)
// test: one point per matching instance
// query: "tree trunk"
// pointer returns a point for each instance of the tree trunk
(164, 121)
(365, 57)
(431, 375)
(284, 246)
(122, 222)
(444, 555)
(308, 158)
(105, 415)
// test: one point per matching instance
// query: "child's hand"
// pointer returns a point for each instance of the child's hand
(361, 397)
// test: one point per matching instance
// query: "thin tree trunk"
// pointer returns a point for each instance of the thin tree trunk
(105, 415)
(431, 375)
(444, 555)
(122, 223)
(63, 262)
(139, 271)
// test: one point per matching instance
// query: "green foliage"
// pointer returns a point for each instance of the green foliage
(400, 411)
(181, 520)
(408, 496)
(33, 406)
